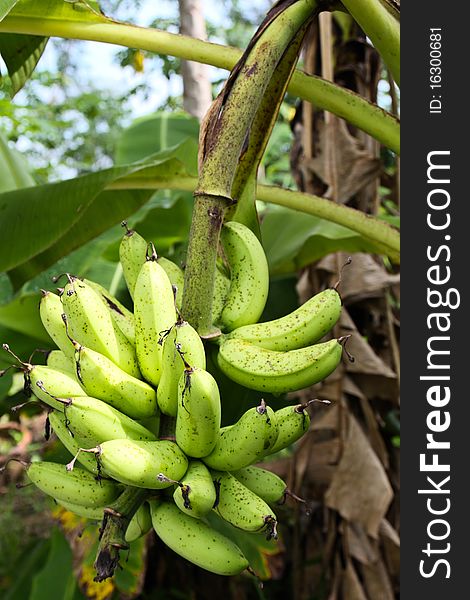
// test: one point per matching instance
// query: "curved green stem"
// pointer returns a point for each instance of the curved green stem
(369, 227)
(383, 235)
(382, 25)
(223, 136)
(325, 95)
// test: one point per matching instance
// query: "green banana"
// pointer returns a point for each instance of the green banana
(195, 494)
(300, 328)
(151, 423)
(78, 487)
(246, 441)
(265, 484)
(199, 412)
(175, 275)
(121, 315)
(90, 324)
(47, 384)
(242, 508)
(221, 289)
(86, 512)
(292, 423)
(139, 463)
(140, 524)
(104, 380)
(249, 276)
(50, 310)
(192, 348)
(278, 372)
(132, 251)
(154, 309)
(57, 360)
(196, 541)
(93, 422)
(72, 442)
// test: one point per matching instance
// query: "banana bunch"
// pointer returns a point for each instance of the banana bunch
(129, 396)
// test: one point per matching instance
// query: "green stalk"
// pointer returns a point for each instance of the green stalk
(381, 24)
(222, 138)
(244, 185)
(381, 233)
(367, 226)
(325, 95)
(112, 535)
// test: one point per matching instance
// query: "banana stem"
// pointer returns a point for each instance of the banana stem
(225, 131)
(113, 531)
(382, 25)
(385, 237)
(324, 94)
(207, 219)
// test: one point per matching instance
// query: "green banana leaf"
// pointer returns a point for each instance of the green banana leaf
(56, 579)
(14, 173)
(44, 223)
(154, 133)
(5, 7)
(21, 54)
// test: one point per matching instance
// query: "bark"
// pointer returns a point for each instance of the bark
(197, 94)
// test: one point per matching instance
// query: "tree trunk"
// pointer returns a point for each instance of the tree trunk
(197, 94)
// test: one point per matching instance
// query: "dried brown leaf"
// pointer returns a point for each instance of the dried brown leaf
(366, 361)
(360, 490)
(376, 581)
(359, 545)
(363, 278)
(351, 588)
(353, 168)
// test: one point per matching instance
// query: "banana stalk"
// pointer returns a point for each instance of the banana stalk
(115, 524)
(222, 141)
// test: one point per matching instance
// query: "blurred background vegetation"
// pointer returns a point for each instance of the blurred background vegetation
(90, 107)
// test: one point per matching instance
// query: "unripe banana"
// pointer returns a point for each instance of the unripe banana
(93, 422)
(151, 423)
(132, 254)
(154, 309)
(245, 442)
(277, 372)
(90, 324)
(72, 442)
(57, 360)
(139, 463)
(249, 276)
(140, 524)
(265, 484)
(86, 512)
(77, 486)
(192, 348)
(50, 310)
(199, 412)
(196, 541)
(47, 384)
(175, 275)
(302, 327)
(195, 495)
(292, 423)
(221, 289)
(121, 315)
(132, 251)
(242, 508)
(102, 379)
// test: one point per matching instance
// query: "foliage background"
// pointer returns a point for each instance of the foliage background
(67, 121)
